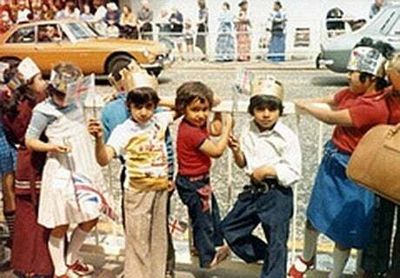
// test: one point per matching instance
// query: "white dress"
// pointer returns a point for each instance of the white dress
(59, 203)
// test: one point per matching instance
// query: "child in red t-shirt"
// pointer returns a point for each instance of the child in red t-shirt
(194, 152)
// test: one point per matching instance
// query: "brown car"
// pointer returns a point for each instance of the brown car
(49, 42)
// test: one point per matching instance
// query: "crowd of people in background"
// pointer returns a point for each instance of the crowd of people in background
(186, 35)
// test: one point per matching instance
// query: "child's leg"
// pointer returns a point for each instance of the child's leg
(78, 237)
(396, 248)
(56, 249)
(9, 201)
(146, 236)
(340, 257)
(171, 252)
(310, 242)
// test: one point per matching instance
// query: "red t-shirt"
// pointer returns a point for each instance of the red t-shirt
(192, 161)
(365, 112)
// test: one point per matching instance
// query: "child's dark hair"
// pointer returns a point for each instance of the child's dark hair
(190, 91)
(387, 51)
(264, 101)
(141, 96)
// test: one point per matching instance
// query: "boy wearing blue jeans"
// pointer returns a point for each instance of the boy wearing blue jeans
(270, 154)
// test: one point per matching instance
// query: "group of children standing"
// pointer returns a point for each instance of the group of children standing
(58, 182)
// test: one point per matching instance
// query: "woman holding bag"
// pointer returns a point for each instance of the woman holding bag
(339, 208)
(380, 257)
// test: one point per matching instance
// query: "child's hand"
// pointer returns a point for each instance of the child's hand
(258, 174)
(233, 143)
(171, 186)
(95, 128)
(53, 148)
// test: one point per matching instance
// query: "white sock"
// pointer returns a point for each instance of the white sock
(56, 249)
(340, 258)
(310, 243)
(77, 239)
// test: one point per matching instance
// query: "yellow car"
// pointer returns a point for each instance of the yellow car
(49, 42)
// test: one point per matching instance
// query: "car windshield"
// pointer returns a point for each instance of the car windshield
(80, 30)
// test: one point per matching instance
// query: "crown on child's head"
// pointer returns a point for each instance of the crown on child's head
(27, 69)
(366, 59)
(64, 74)
(131, 77)
(267, 86)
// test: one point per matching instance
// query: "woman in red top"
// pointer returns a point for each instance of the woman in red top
(380, 256)
(339, 208)
(30, 255)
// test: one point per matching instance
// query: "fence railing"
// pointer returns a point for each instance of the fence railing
(228, 180)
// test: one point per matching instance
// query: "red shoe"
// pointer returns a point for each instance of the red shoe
(300, 267)
(81, 269)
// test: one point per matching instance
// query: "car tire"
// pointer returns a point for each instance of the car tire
(156, 71)
(117, 62)
(10, 60)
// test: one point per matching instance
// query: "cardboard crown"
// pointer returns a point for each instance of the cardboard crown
(268, 86)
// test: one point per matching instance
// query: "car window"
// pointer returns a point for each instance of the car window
(80, 30)
(48, 33)
(395, 31)
(23, 35)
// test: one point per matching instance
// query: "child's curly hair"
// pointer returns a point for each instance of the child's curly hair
(190, 91)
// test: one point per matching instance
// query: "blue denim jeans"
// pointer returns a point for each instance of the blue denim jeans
(273, 209)
(205, 223)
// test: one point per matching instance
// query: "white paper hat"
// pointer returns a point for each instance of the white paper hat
(3, 68)
(28, 69)
(267, 86)
(112, 6)
(367, 59)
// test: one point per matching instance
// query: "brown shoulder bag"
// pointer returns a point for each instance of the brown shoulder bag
(375, 163)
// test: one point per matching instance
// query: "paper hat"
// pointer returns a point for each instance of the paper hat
(112, 6)
(367, 59)
(132, 77)
(267, 86)
(27, 69)
(63, 75)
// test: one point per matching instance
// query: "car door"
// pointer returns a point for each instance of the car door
(20, 44)
(49, 45)
(393, 30)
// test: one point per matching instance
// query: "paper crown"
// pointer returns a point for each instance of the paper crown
(63, 75)
(267, 86)
(367, 59)
(132, 77)
(27, 69)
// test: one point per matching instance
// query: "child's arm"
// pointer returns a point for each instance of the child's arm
(238, 155)
(104, 153)
(333, 117)
(40, 146)
(213, 149)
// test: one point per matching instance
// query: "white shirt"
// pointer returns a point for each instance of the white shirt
(278, 148)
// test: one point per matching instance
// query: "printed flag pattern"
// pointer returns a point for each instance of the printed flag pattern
(86, 194)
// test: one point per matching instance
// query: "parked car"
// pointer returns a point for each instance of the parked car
(49, 42)
(385, 26)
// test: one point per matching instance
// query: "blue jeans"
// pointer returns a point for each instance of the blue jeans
(273, 210)
(205, 224)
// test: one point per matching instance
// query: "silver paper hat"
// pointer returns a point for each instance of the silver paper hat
(367, 59)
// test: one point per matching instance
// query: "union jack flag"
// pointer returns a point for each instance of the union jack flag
(86, 194)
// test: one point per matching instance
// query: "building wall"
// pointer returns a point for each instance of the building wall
(301, 14)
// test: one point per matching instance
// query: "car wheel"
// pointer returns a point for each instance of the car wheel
(156, 71)
(10, 60)
(117, 62)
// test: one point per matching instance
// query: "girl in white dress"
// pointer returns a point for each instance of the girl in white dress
(70, 167)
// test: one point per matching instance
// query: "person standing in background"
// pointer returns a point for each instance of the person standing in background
(277, 44)
(375, 8)
(225, 48)
(202, 26)
(145, 17)
(243, 36)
